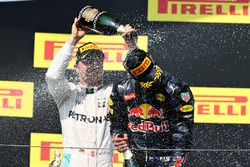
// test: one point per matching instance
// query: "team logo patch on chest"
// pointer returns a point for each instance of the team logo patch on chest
(145, 111)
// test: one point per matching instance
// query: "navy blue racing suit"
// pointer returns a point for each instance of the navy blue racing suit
(155, 116)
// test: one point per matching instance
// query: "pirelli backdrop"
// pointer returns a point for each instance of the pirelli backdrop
(203, 42)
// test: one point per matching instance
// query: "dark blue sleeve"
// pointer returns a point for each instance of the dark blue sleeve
(182, 118)
(117, 111)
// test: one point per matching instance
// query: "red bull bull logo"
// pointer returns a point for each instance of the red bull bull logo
(145, 111)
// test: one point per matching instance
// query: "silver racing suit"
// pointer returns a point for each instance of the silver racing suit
(83, 115)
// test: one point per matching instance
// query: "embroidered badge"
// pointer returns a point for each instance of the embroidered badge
(185, 96)
(186, 108)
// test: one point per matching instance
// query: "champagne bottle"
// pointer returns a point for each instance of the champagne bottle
(100, 21)
(128, 161)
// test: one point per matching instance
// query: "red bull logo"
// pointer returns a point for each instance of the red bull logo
(145, 111)
(145, 126)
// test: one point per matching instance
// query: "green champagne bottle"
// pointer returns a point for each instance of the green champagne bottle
(100, 21)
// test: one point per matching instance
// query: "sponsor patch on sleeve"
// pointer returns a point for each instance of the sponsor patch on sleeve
(185, 96)
(186, 108)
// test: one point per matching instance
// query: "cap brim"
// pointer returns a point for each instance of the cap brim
(147, 75)
(90, 55)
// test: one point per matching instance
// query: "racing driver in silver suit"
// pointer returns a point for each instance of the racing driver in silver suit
(82, 108)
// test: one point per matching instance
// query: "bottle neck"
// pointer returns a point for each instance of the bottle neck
(127, 154)
(121, 29)
(57, 156)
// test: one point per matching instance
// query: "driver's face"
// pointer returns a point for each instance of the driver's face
(87, 71)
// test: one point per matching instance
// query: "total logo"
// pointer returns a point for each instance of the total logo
(145, 111)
